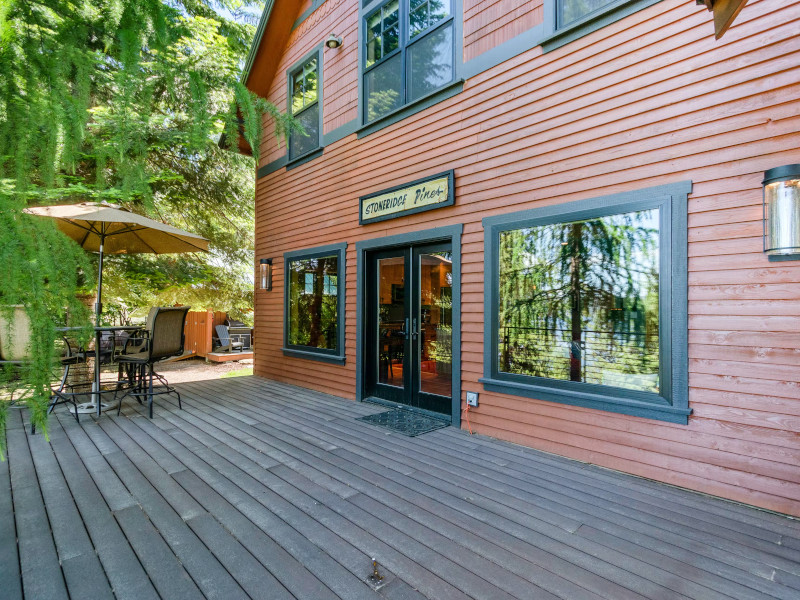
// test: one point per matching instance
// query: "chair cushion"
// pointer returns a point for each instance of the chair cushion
(137, 359)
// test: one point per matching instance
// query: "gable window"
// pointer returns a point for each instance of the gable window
(304, 103)
(408, 53)
(314, 303)
(588, 303)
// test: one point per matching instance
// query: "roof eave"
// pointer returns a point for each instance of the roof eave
(262, 27)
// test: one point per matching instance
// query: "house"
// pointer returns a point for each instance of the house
(553, 208)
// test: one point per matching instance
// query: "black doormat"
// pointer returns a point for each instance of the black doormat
(405, 421)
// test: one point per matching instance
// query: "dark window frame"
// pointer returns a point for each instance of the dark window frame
(672, 403)
(335, 355)
(367, 9)
(557, 36)
(296, 68)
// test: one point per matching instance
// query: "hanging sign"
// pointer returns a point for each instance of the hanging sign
(424, 194)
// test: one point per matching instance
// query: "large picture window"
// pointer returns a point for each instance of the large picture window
(584, 299)
(314, 303)
(579, 300)
(408, 53)
(304, 103)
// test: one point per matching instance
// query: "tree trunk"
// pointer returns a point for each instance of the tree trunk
(575, 352)
(316, 303)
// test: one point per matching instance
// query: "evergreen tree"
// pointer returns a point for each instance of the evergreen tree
(121, 101)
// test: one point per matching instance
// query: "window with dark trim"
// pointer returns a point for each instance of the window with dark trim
(570, 11)
(314, 303)
(409, 53)
(568, 20)
(305, 106)
(586, 303)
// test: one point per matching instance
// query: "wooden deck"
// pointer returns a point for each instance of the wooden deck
(262, 490)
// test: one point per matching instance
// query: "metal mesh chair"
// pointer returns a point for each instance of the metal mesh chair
(165, 340)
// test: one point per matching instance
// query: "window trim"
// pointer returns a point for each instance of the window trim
(366, 8)
(556, 37)
(672, 403)
(336, 355)
(290, 73)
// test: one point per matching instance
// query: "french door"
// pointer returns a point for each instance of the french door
(409, 326)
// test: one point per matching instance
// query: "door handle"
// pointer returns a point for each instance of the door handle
(406, 331)
(414, 331)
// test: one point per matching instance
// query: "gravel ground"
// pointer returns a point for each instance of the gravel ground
(197, 369)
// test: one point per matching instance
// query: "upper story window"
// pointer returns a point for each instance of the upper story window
(408, 53)
(568, 20)
(304, 84)
(569, 11)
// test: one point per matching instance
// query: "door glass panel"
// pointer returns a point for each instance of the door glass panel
(391, 320)
(436, 323)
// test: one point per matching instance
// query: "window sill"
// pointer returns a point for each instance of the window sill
(593, 22)
(304, 158)
(604, 402)
(411, 108)
(311, 355)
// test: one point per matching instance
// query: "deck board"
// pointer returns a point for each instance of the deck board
(258, 489)
(588, 503)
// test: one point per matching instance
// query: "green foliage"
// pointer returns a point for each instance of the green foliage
(123, 101)
(579, 301)
(41, 270)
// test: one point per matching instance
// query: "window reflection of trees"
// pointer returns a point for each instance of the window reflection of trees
(579, 301)
(313, 302)
(305, 108)
(426, 59)
(572, 10)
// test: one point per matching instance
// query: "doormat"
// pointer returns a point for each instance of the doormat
(404, 421)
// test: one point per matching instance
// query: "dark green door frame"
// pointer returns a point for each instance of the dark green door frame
(451, 234)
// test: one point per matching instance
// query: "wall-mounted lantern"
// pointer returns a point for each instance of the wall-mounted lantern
(782, 212)
(266, 273)
(333, 41)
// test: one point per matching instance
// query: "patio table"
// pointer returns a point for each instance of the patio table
(96, 389)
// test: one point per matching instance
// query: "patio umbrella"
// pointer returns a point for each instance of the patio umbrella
(110, 229)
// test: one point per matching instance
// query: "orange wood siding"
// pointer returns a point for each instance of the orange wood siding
(649, 100)
(489, 24)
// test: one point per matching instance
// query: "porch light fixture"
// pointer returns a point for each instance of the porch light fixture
(782, 212)
(333, 41)
(266, 273)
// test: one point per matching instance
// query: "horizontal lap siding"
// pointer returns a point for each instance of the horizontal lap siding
(649, 100)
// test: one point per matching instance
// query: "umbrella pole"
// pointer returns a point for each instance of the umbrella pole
(98, 309)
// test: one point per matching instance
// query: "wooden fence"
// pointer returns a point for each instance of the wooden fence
(199, 329)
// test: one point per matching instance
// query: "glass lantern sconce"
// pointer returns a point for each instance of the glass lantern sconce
(266, 273)
(782, 213)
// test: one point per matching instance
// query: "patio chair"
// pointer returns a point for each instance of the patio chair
(227, 344)
(67, 391)
(165, 340)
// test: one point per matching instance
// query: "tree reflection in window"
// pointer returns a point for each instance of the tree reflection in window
(572, 10)
(305, 108)
(578, 301)
(409, 53)
(313, 302)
